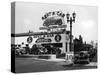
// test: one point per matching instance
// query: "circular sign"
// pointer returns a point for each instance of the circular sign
(58, 38)
(29, 39)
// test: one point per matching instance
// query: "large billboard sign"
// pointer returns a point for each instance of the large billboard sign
(53, 18)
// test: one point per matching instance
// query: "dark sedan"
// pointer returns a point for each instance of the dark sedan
(81, 58)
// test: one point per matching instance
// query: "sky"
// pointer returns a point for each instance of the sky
(28, 17)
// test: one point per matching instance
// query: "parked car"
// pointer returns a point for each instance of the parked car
(20, 51)
(17, 52)
(42, 50)
(81, 58)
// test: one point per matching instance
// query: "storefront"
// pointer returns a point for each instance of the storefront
(55, 35)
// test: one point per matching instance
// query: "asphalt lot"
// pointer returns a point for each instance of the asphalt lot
(31, 64)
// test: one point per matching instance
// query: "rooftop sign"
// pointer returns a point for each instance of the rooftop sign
(53, 18)
(51, 14)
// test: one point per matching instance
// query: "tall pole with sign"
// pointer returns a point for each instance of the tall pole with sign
(71, 19)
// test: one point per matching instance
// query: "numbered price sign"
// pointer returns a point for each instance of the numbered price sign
(69, 58)
(29, 39)
(58, 38)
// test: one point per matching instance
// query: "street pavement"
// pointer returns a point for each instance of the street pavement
(30, 64)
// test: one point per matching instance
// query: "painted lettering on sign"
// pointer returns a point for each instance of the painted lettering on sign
(43, 36)
(55, 13)
(40, 40)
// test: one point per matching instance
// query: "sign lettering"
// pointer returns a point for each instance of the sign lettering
(56, 13)
(43, 40)
(43, 36)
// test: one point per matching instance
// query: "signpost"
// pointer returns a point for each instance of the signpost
(69, 57)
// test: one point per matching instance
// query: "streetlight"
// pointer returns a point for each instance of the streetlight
(71, 19)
